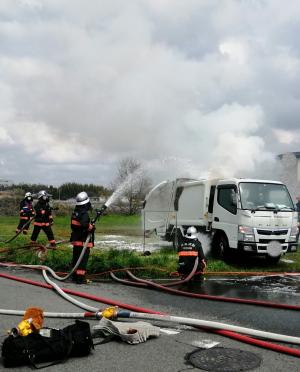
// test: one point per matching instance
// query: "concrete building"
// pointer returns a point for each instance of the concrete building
(289, 172)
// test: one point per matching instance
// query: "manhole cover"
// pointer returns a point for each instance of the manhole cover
(219, 359)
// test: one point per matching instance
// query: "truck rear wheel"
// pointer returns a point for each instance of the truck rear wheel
(176, 238)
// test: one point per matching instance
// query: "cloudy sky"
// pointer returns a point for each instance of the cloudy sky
(189, 88)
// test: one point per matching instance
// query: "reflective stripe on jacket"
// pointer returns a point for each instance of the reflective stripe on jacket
(188, 253)
(81, 227)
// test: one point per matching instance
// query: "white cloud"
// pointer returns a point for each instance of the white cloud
(32, 3)
(5, 138)
(286, 63)
(26, 68)
(235, 50)
(147, 78)
(47, 146)
(237, 155)
(287, 137)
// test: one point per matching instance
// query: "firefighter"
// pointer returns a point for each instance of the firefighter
(188, 250)
(81, 227)
(26, 213)
(43, 219)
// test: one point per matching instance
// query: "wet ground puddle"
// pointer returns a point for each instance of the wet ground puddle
(275, 288)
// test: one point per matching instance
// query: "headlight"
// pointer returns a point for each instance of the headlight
(293, 234)
(246, 234)
(294, 230)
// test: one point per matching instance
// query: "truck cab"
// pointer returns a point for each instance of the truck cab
(253, 216)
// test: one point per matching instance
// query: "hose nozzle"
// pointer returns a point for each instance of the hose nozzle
(99, 213)
(101, 210)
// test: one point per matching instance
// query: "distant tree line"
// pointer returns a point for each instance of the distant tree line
(131, 179)
(64, 192)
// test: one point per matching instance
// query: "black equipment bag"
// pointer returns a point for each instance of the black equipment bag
(74, 340)
(80, 334)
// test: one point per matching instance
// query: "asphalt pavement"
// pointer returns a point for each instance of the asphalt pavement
(167, 352)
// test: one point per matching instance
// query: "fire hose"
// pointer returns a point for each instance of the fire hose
(23, 247)
(47, 268)
(55, 286)
(177, 282)
(76, 293)
(27, 224)
(19, 232)
(44, 268)
(227, 333)
(32, 246)
(180, 320)
(49, 314)
(149, 283)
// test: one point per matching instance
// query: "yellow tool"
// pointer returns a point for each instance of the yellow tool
(23, 328)
(32, 322)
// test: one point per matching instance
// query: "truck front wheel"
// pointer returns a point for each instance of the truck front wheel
(221, 247)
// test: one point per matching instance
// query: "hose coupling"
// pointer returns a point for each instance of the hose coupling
(110, 312)
(98, 315)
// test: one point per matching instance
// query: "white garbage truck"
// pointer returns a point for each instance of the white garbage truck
(249, 215)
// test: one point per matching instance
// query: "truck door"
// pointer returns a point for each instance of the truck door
(225, 212)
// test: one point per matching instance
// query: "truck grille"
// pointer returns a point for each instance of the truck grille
(272, 232)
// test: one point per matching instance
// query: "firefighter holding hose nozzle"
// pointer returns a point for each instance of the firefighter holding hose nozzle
(82, 235)
(188, 250)
(81, 226)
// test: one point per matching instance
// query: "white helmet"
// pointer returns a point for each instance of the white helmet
(82, 198)
(28, 195)
(191, 232)
(43, 195)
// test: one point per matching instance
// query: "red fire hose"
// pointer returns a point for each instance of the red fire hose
(245, 339)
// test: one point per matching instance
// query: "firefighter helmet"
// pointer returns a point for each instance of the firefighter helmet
(43, 195)
(191, 232)
(82, 198)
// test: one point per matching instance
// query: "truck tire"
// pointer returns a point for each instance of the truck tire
(221, 247)
(176, 238)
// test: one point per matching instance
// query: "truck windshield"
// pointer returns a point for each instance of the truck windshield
(265, 196)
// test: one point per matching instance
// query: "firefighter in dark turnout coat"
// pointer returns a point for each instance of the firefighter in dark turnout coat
(81, 227)
(43, 219)
(189, 249)
(26, 213)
